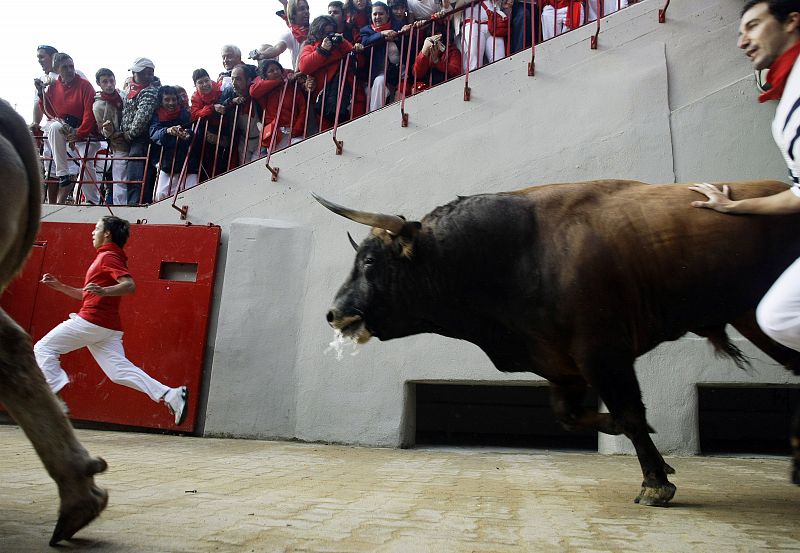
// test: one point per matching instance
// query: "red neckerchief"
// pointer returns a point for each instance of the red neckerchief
(779, 73)
(300, 32)
(134, 88)
(164, 115)
(380, 28)
(211, 97)
(114, 99)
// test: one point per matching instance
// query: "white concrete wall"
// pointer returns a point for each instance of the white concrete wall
(658, 103)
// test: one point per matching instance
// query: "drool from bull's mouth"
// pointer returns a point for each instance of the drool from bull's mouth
(338, 344)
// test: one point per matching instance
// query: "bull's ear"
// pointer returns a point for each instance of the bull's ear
(407, 238)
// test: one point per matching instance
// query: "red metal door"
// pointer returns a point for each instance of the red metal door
(165, 321)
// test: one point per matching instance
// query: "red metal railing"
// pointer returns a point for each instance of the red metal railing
(228, 140)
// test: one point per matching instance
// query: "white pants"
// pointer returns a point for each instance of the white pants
(556, 21)
(119, 168)
(104, 344)
(778, 314)
(167, 185)
(378, 93)
(609, 7)
(482, 44)
(64, 159)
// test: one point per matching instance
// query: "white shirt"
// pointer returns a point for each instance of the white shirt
(292, 45)
(786, 126)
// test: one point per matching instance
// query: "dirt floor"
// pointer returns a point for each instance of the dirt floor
(179, 494)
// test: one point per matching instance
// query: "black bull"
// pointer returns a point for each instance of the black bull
(573, 282)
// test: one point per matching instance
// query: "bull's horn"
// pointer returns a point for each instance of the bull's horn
(352, 242)
(390, 223)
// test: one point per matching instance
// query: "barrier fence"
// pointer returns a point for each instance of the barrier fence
(274, 114)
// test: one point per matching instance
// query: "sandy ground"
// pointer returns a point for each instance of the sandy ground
(171, 494)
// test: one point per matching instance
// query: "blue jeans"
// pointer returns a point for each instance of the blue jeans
(521, 25)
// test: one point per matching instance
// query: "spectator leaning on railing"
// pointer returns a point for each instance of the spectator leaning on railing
(107, 110)
(137, 111)
(268, 90)
(207, 107)
(170, 128)
(68, 103)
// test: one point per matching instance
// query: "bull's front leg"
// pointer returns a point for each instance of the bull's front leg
(33, 406)
(616, 384)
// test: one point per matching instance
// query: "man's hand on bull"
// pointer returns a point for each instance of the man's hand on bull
(717, 200)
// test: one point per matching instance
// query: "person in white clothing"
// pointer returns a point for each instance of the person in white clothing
(769, 34)
(478, 43)
(97, 325)
(609, 7)
(298, 16)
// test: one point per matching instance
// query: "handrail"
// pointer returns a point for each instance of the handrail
(407, 84)
(662, 13)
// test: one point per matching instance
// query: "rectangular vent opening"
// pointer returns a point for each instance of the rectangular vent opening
(182, 272)
(495, 415)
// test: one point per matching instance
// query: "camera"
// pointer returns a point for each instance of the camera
(335, 38)
(253, 55)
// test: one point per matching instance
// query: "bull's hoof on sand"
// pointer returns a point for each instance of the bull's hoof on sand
(656, 497)
(75, 513)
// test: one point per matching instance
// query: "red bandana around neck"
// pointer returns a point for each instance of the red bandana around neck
(134, 88)
(212, 96)
(779, 73)
(300, 32)
(385, 27)
(164, 115)
(114, 99)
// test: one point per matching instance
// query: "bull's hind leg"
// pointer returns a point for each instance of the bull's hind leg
(616, 384)
(566, 398)
(30, 402)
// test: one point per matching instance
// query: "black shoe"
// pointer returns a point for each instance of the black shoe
(64, 181)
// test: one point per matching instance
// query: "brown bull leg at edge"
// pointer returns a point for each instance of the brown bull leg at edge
(33, 406)
(616, 384)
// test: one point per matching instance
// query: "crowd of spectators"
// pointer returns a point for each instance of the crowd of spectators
(146, 140)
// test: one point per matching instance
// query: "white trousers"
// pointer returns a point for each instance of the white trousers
(483, 44)
(778, 314)
(63, 160)
(555, 22)
(378, 93)
(609, 7)
(167, 185)
(119, 168)
(104, 344)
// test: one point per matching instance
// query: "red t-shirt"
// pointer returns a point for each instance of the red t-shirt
(108, 267)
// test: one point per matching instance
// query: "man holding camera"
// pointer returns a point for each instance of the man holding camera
(67, 101)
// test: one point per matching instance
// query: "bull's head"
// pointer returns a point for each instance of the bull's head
(366, 305)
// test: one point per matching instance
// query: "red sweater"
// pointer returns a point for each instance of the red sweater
(76, 99)
(312, 61)
(293, 111)
(203, 104)
(450, 60)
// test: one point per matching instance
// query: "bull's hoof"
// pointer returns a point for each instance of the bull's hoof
(77, 512)
(656, 497)
(796, 473)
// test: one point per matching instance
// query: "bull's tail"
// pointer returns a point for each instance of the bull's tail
(723, 346)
